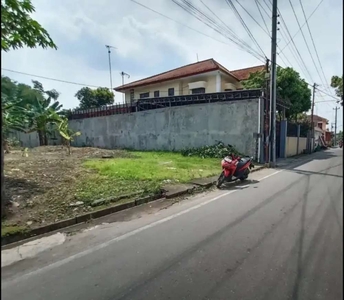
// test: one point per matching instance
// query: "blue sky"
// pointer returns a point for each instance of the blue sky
(148, 43)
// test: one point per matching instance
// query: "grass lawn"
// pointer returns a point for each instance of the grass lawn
(146, 171)
(45, 186)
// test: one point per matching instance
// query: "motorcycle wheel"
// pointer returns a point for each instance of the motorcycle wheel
(220, 180)
(245, 176)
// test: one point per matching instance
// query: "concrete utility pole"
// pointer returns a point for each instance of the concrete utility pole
(335, 126)
(267, 115)
(124, 74)
(273, 82)
(109, 53)
(312, 110)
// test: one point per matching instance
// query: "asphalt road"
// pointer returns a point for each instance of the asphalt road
(279, 237)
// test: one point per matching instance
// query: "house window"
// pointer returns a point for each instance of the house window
(144, 95)
(320, 125)
(171, 92)
(132, 95)
(156, 94)
(198, 91)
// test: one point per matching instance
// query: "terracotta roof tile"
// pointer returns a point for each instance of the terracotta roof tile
(189, 70)
(243, 74)
(318, 118)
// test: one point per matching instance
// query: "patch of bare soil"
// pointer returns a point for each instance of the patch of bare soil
(41, 187)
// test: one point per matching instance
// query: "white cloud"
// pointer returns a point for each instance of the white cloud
(147, 42)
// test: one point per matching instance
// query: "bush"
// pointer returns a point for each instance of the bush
(13, 142)
(219, 150)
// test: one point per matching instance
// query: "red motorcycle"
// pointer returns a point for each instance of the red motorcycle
(234, 168)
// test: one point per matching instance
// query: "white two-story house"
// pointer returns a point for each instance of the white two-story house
(203, 77)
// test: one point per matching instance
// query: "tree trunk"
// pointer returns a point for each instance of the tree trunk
(43, 139)
(40, 137)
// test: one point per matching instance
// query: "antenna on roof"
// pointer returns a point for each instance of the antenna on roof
(197, 57)
(124, 74)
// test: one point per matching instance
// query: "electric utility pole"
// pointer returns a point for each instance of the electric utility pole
(312, 110)
(109, 53)
(273, 82)
(335, 126)
(267, 115)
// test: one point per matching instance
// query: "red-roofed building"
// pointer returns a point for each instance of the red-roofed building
(321, 130)
(206, 76)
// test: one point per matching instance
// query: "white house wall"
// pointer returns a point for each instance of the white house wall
(181, 86)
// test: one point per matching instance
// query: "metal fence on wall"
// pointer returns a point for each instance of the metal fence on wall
(292, 129)
(161, 102)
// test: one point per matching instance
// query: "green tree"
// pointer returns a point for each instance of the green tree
(34, 108)
(337, 83)
(38, 87)
(290, 87)
(19, 30)
(94, 98)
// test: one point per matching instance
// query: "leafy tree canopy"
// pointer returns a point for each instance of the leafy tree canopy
(290, 87)
(28, 108)
(18, 29)
(94, 98)
(337, 83)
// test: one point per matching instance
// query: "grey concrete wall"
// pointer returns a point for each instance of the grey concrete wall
(174, 128)
(31, 140)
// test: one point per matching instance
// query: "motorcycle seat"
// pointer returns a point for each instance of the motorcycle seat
(244, 160)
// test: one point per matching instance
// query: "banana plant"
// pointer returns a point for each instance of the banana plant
(13, 118)
(67, 134)
(41, 113)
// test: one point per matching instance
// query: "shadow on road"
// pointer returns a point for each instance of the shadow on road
(305, 255)
(296, 162)
(238, 185)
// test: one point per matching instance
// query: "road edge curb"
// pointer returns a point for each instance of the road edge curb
(84, 218)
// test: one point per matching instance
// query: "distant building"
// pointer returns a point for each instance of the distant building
(203, 77)
(320, 129)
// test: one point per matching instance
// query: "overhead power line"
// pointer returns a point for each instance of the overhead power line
(315, 48)
(262, 7)
(225, 32)
(305, 40)
(325, 101)
(253, 18)
(210, 22)
(49, 78)
(180, 23)
(329, 95)
(292, 38)
(261, 15)
(296, 49)
(232, 6)
(321, 91)
(225, 25)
